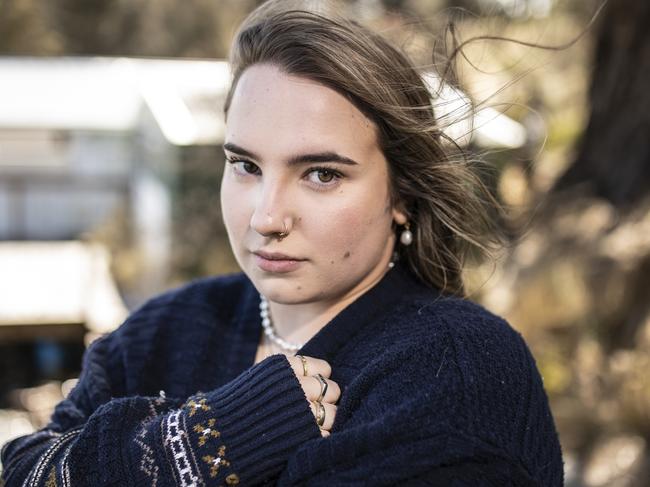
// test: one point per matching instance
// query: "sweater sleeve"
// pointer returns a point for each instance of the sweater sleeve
(242, 432)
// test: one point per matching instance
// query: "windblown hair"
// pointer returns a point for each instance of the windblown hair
(431, 180)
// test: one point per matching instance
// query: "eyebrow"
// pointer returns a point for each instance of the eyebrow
(327, 156)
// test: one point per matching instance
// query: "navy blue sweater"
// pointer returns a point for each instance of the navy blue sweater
(435, 391)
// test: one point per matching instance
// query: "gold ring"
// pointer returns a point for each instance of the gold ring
(323, 386)
(320, 414)
(305, 368)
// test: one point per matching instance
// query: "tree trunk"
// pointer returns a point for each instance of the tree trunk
(613, 160)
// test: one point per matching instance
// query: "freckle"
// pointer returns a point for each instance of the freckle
(346, 255)
(299, 288)
(331, 261)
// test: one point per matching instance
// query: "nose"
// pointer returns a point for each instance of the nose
(270, 216)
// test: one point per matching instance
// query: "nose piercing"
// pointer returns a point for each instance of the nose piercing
(284, 232)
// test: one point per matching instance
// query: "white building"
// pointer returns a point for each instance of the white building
(83, 137)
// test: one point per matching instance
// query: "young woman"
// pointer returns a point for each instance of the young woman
(343, 353)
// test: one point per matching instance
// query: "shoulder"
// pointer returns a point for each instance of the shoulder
(471, 328)
(190, 311)
(457, 346)
(208, 298)
(485, 346)
(207, 292)
(457, 322)
(490, 355)
(172, 333)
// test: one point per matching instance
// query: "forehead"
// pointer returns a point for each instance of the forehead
(275, 111)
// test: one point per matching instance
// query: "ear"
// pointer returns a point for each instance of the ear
(399, 216)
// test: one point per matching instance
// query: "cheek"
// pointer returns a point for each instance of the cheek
(357, 227)
(234, 212)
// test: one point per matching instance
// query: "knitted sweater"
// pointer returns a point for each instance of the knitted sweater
(435, 391)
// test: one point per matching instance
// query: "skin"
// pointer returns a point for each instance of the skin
(341, 226)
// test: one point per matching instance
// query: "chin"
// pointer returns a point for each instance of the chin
(288, 296)
(276, 287)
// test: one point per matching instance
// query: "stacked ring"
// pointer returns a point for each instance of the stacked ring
(320, 414)
(305, 369)
(323, 386)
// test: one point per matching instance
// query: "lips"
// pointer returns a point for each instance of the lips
(275, 262)
(276, 256)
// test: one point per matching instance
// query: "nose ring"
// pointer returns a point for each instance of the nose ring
(284, 232)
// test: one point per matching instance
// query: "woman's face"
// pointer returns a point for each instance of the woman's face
(302, 158)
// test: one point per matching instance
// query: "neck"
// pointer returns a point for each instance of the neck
(298, 323)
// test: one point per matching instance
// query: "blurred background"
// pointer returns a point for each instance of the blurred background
(110, 163)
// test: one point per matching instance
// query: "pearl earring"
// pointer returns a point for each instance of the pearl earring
(406, 237)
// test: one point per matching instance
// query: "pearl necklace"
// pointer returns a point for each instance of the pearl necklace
(269, 329)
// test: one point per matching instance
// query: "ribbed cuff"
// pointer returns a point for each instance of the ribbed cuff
(263, 416)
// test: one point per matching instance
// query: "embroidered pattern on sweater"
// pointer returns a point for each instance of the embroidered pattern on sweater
(34, 479)
(195, 406)
(214, 456)
(182, 458)
(206, 431)
(37, 438)
(232, 479)
(147, 463)
(65, 468)
(51, 478)
(216, 462)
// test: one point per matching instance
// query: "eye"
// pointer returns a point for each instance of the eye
(324, 176)
(242, 166)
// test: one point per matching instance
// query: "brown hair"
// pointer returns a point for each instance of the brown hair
(433, 182)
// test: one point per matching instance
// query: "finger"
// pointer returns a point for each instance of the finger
(314, 366)
(330, 414)
(312, 387)
(296, 365)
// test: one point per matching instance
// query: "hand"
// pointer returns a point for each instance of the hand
(312, 388)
